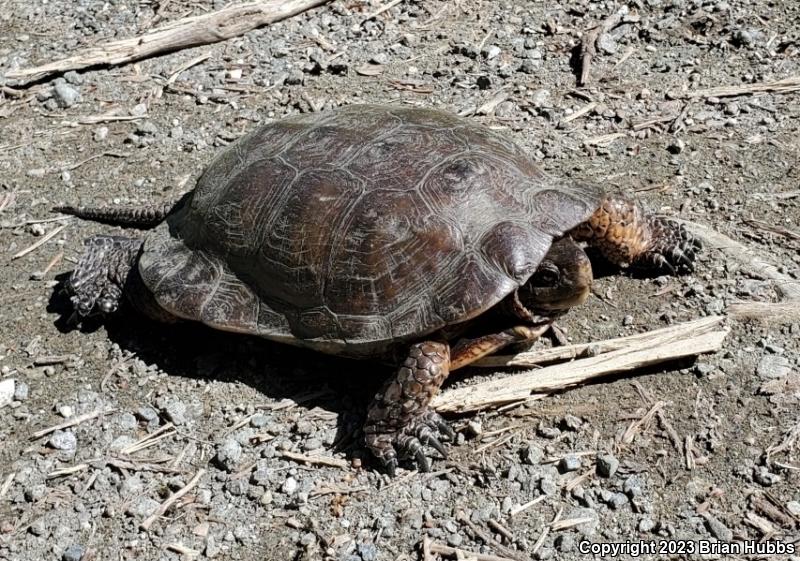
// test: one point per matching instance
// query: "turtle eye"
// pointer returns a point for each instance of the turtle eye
(547, 275)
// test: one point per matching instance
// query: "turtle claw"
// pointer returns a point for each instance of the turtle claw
(673, 249)
(429, 429)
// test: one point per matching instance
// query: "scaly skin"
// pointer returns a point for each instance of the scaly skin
(96, 283)
(142, 217)
(399, 421)
(626, 236)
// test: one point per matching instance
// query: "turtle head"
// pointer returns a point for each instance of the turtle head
(562, 280)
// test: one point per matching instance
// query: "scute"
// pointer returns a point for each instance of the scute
(359, 227)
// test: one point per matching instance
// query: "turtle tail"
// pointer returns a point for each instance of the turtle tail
(141, 217)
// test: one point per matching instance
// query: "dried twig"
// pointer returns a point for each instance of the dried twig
(231, 21)
(150, 439)
(588, 108)
(71, 422)
(315, 460)
(670, 343)
(429, 547)
(751, 261)
(772, 228)
(488, 539)
(183, 550)
(521, 508)
(589, 42)
(39, 243)
(61, 472)
(787, 85)
(171, 500)
(7, 484)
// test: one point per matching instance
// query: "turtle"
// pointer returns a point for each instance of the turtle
(388, 232)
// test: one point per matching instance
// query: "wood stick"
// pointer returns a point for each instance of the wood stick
(777, 312)
(790, 84)
(231, 21)
(172, 499)
(7, 484)
(43, 240)
(589, 42)
(579, 350)
(71, 422)
(434, 547)
(671, 343)
(318, 460)
(788, 287)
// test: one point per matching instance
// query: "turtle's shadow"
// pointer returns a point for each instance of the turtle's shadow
(192, 350)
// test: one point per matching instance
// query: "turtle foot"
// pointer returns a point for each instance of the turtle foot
(409, 442)
(673, 248)
(97, 281)
(399, 423)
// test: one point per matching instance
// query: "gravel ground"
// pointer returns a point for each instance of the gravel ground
(161, 407)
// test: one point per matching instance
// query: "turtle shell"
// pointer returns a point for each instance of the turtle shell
(353, 229)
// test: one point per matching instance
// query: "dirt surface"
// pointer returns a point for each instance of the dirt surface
(721, 462)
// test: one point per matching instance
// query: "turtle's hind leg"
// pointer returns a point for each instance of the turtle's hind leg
(96, 283)
(627, 236)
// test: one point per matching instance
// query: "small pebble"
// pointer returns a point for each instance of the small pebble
(37, 527)
(718, 529)
(492, 52)
(676, 146)
(570, 422)
(7, 391)
(474, 427)
(569, 463)
(289, 486)
(607, 43)
(773, 366)
(63, 440)
(617, 500)
(73, 553)
(763, 476)
(632, 486)
(100, 133)
(646, 524)
(65, 95)
(73, 78)
(368, 551)
(229, 452)
(531, 454)
(175, 412)
(548, 432)
(607, 465)
(142, 507)
(147, 414)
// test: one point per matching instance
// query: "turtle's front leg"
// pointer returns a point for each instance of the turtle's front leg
(627, 236)
(399, 421)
